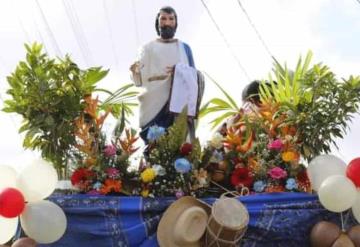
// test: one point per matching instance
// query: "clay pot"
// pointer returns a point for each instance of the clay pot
(343, 241)
(24, 242)
(324, 234)
(354, 235)
(218, 175)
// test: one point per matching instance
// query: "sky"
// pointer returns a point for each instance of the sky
(108, 33)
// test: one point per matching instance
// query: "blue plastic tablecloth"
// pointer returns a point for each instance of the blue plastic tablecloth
(276, 219)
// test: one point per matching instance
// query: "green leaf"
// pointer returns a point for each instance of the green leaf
(231, 100)
(94, 75)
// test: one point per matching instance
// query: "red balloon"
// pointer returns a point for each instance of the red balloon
(12, 203)
(353, 171)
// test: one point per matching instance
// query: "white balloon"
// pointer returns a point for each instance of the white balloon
(37, 181)
(324, 166)
(43, 221)
(356, 207)
(8, 228)
(337, 193)
(7, 177)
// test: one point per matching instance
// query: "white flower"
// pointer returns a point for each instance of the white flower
(216, 141)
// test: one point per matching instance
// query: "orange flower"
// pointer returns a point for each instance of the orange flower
(288, 130)
(290, 155)
(127, 144)
(91, 106)
(111, 185)
(235, 139)
(274, 188)
(253, 165)
(90, 161)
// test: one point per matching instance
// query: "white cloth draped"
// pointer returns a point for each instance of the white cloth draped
(184, 89)
(154, 58)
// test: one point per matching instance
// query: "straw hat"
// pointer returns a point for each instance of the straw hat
(183, 223)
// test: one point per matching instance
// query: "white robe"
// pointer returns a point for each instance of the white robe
(153, 59)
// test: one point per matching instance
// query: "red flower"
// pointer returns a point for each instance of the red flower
(304, 181)
(81, 175)
(186, 148)
(241, 176)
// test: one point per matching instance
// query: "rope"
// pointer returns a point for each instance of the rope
(77, 30)
(49, 31)
(108, 24)
(226, 41)
(135, 23)
(255, 29)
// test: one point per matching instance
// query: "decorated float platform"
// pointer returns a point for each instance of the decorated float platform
(272, 156)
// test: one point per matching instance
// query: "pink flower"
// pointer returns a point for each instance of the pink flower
(275, 145)
(93, 193)
(112, 172)
(179, 194)
(277, 173)
(109, 150)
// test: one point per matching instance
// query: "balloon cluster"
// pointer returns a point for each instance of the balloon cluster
(21, 196)
(338, 185)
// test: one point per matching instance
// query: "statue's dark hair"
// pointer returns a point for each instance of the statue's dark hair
(166, 9)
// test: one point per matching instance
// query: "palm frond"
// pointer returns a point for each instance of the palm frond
(227, 106)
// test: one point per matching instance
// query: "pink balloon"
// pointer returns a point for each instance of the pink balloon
(24, 242)
(12, 203)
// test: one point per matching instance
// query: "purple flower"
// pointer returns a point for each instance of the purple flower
(109, 150)
(182, 165)
(275, 145)
(112, 172)
(179, 194)
(277, 173)
(93, 193)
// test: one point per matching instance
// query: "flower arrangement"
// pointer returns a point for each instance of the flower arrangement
(172, 166)
(101, 168)
(257, 155)
(300, 116)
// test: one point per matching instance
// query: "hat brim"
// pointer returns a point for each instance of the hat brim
(168, 220)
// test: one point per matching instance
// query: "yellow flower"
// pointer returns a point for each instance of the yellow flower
(290, 156)
(148, 175)
(145, 193)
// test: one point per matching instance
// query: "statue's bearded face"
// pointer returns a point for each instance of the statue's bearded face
(167, 25)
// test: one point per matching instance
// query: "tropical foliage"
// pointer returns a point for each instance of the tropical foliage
(49, 94)
(223, 108)
(315, 101)
(301, 115)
